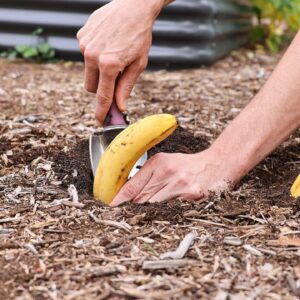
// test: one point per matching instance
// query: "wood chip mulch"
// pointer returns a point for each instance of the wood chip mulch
(56, 242)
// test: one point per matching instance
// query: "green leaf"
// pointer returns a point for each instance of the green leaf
(276, 3)
(279, 18)
(12, 55)
(22, 48)
(51, 53)
(257, 34)
(44, 48)
(30, 53)
(38, 31)
(273, 43)
(4, 54)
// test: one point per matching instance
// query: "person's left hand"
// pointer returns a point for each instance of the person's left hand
(175, 176)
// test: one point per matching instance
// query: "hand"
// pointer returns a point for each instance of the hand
(115, 42)
(175, 176)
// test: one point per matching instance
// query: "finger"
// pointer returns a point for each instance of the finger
(172, 193)
(80, 33)
(167, 193)
(105, 93)
(153, 187)
(134, 186)
(83, 44)
(91, 76)
(126, 82)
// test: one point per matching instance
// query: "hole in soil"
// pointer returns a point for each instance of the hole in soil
(268, 184)
(77, 159)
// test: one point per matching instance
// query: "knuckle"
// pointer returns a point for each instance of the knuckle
(155, 159)
(103, 99)
(109, 62)
(79, 34)
(90, 54)
(169, 169)
(159, 156)
(82, 47)
(142, 64)
(182, 180)
(130, 190)
(162, 160)
(128, 87)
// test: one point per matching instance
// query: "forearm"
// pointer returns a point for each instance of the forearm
(156, 5)
(166, 2)
(268, 119)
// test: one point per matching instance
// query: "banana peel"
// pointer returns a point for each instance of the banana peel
(123, 152)
(295, 190)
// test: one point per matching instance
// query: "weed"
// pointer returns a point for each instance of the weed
(277, 22)
(43, 51)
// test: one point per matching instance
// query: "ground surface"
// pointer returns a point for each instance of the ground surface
(54, 248)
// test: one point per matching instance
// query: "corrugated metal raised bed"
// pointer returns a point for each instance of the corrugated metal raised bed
(187, 32)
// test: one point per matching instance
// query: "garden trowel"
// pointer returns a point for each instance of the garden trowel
(115, 122)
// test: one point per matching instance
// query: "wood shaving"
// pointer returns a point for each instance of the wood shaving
(182, 248)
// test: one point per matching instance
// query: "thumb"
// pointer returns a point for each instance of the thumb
(134, 186)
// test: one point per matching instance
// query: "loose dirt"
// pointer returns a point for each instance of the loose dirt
(53, 248)
(78, 158)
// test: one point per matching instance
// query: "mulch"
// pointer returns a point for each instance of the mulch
(55, 246)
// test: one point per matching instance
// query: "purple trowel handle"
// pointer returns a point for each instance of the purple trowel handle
(114, 116)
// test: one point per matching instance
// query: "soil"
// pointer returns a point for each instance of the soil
(78, 158)
(53, 248)
(271, 178)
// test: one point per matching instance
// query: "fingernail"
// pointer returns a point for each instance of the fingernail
(123, 105)
(114, 203)
(98, 123)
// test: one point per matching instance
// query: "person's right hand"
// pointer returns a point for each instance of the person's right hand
(115, 42)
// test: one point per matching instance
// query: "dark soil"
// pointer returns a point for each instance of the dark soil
(78, 158)
(181, 141)
(271, 178)
(79, 247)
(23, 151)
(75, 160)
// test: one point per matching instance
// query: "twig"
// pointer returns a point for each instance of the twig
(209, 222)
(55, 231)
(182, 248)
(14, 219)
(31, 248)
(164, 264)
(120, 225)
(252, 250)
(73, 203)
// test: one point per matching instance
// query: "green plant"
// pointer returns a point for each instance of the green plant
(277, 20)
(43, 51)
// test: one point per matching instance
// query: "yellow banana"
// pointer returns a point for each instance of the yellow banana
(295, 190)
(127, 147)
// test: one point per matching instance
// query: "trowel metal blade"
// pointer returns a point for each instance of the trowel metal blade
(98, 142)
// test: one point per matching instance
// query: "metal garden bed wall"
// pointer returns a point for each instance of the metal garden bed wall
(187, 32)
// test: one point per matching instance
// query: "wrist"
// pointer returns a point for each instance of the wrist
(215, 172)
(158, 5)
(230, 167)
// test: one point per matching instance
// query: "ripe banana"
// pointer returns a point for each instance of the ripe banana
(123, 152)
(295, 190)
